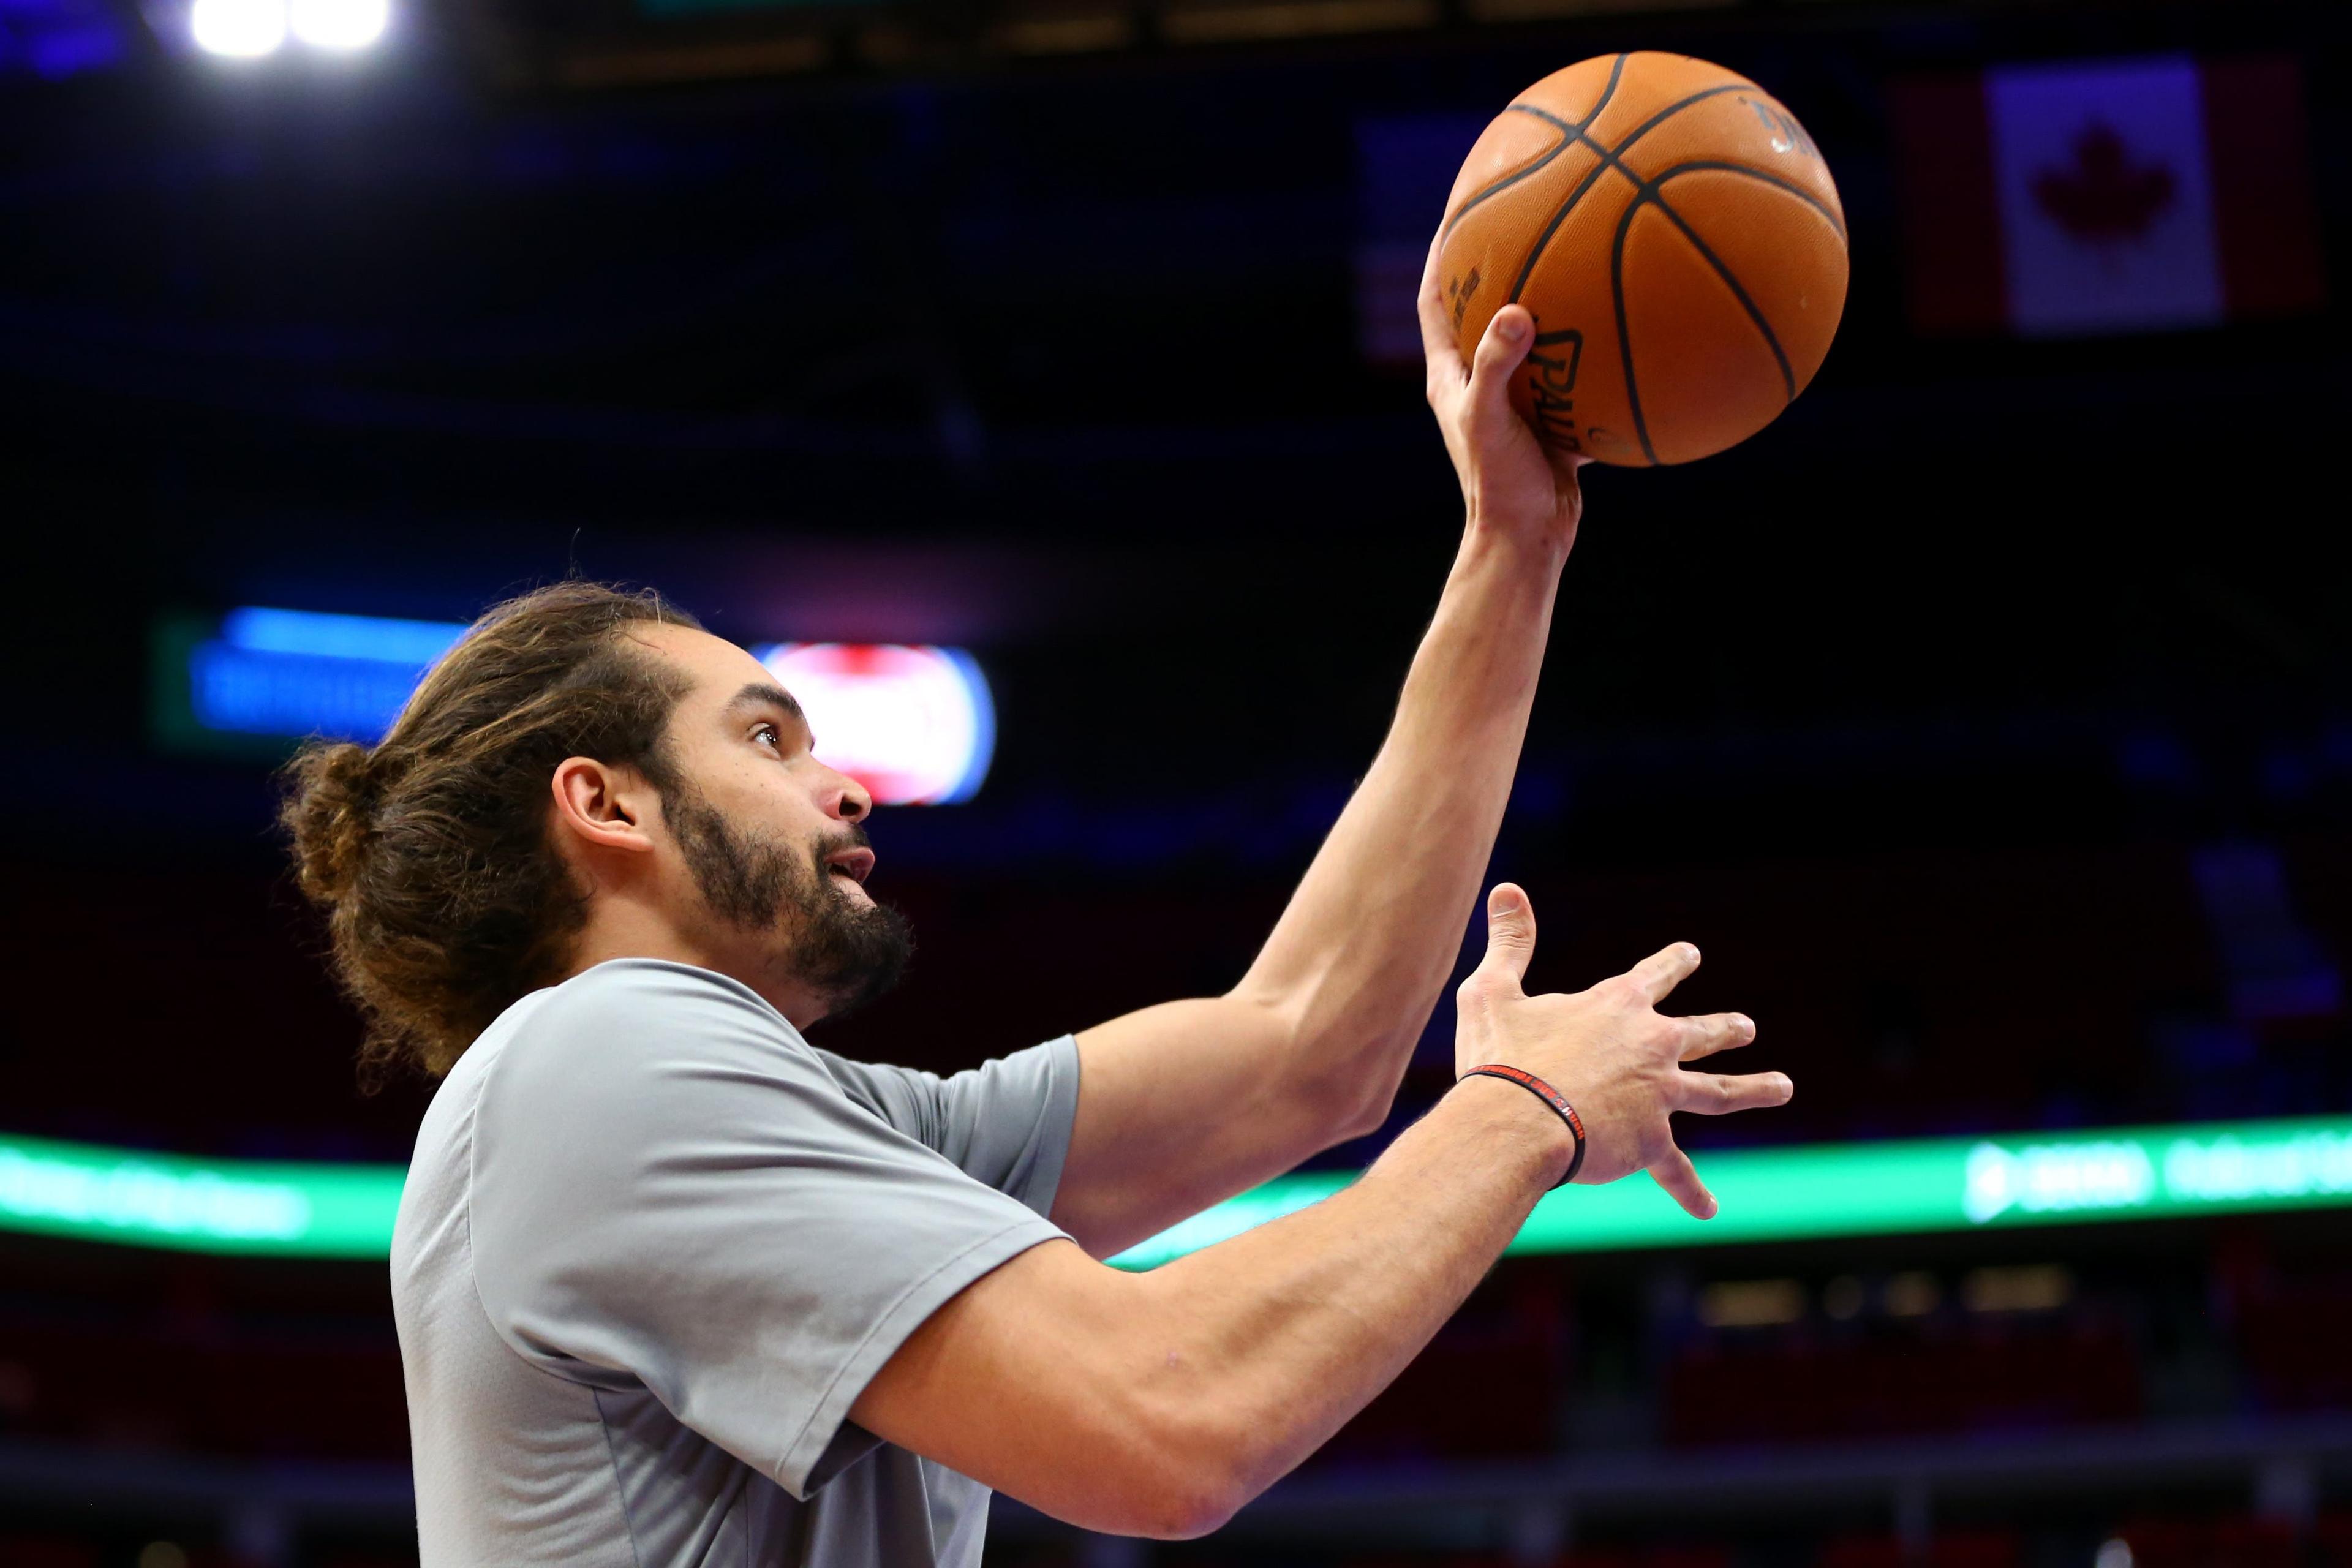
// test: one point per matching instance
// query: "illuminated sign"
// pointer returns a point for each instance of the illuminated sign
(915, 725)
(1909, 1188)
(197, 1206)
(284, 673)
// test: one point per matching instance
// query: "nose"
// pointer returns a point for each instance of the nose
(852, 801)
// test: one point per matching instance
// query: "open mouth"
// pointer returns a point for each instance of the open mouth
(855, 864)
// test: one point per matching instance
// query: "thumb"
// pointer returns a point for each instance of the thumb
(1510, 932)
(1505, 343)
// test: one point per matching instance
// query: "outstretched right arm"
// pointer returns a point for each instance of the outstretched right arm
(1158, 1404)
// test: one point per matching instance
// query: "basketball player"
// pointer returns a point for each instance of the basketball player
(674, 1287)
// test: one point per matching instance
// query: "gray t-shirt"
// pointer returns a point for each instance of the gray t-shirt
(653, 1244)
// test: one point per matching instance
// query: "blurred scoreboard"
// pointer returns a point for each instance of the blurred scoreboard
(915, 724)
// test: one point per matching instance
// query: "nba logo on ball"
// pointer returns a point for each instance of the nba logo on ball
(1679, 240)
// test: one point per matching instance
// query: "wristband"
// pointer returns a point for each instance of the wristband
(1549, 1096)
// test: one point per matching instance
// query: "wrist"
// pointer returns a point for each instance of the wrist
(1526, 552)
(1518, 1125)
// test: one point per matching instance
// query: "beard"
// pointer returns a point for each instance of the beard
(848, 953)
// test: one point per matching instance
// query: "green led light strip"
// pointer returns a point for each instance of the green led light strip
(1897, 1188)
(197, 1206)
(1768, 1194)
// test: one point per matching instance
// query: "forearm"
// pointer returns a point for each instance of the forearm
(1261, 1347)
(1162, 1402)
(1360, 955)
(1187, 1102)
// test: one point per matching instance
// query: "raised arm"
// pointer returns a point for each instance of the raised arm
(1189, 1102)
(1158, 1404)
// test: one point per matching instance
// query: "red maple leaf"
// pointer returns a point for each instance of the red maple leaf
(2103, 197)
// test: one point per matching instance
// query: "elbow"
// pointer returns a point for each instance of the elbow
(1359, 1105)
(1342, 1111)
(1371, 1114)
(1133, 1484)
(1184, 1503)
(1346, 1083)
(1343, 1065)
(1332, 1107)
(1335, 1075)
(1187, 1482)
(1184, 1514)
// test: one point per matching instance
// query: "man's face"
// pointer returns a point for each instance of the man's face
(769, 837)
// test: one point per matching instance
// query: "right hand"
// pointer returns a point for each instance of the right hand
(1511, 479)
(1607, 1049)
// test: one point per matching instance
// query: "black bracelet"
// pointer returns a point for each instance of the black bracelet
(1550, 1097)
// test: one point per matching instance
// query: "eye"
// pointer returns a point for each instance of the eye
(768, 735)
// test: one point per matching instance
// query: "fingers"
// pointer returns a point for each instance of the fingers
(1714, 1094)
(1438, 350)
(1656, 975)
(1510, 933)
(1680, 1178)
(1715, 1032)
(1500, 351)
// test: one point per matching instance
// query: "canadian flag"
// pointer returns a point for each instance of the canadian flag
(2108, 196)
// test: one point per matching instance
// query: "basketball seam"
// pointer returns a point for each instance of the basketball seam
(1771, 338)
(1624, 330)
(1609, 160)
(1567, 140)
(1646, 193)
(1794, 189)
(1625, 333)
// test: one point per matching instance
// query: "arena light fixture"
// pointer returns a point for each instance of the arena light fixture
(339, 24)
(240, 30)
(913, 723)
(1917, 1186)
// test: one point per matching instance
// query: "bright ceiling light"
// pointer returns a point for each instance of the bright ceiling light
(341, 24)
(243, 28)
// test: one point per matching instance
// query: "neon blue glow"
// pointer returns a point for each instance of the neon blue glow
(239, 691)
(340, 636)
(299, 672)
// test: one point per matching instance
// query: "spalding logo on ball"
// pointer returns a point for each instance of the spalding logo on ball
(1677, 237)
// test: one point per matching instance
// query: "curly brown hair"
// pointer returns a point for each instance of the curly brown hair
(446, 901)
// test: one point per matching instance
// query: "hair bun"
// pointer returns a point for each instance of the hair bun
(330, 810)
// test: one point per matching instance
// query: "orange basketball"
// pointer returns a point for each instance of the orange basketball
(1679, 240)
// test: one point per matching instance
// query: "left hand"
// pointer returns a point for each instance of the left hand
(1511, 481)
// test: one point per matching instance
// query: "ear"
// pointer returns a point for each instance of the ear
(598, 806)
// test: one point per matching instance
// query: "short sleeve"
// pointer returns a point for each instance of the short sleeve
(1005, 1123)
(670, 1190)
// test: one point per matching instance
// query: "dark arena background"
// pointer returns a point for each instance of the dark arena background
(1988, 719)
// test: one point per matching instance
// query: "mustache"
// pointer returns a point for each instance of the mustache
(853, 836)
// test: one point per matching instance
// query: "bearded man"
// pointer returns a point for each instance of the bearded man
(674, 1287)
